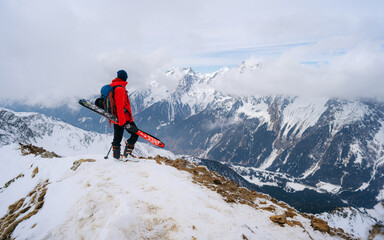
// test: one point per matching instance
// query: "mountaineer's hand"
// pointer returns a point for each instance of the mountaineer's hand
(131, 127)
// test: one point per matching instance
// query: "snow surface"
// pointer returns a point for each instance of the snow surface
(380, 196)
(355, 221)
(295, 186)
(107, 199)
(253, 110)
(351, 111)
(377, 212)
(270, 159)
(328, 187)
(303, 113)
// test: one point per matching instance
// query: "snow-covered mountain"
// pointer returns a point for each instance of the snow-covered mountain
(91, 197)
(305, 148)
(325, 144)
(63, 138)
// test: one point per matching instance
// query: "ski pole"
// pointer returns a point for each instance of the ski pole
(106, 157)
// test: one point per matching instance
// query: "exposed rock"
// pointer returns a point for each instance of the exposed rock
(290, 213)
(281, 219)
(76, 164)
(12, 180)
(35, 171)
(217, 182)
(244, 237)
(27, 149)
(377, 229)
(48, 155)
(319, 224)
(270, 208)
(293, 223)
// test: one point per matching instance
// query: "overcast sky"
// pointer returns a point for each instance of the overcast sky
(55, 51)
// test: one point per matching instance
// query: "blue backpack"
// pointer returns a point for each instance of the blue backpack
(107, 99)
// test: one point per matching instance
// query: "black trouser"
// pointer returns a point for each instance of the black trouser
(118, 135)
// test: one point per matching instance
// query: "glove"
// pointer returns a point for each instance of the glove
(131, 127)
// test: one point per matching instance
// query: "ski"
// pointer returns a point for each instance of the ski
(130, 128)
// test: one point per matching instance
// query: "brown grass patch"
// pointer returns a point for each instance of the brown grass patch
(22, 210)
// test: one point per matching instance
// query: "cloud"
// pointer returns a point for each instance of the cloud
(222, 123)
(346, 73)
(53, 52)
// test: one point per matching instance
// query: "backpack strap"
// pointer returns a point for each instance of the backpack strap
(114, 110)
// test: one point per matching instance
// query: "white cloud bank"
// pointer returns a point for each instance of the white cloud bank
(52, 52)
(357, 72)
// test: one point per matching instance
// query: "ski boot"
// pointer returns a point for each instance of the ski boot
(128, 149)
(116, 152)
(128, 153)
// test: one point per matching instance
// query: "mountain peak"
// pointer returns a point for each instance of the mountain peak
(179, 72)
(249, 65)
(187, 80)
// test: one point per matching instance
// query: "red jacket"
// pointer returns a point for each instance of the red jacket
(123, 105)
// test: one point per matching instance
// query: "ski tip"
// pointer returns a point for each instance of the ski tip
(84, 102)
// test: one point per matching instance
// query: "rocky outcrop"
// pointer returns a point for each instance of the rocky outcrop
(320, 225)
(27, 149)
(281, 219)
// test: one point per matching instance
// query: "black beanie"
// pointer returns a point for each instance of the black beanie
(122, 75)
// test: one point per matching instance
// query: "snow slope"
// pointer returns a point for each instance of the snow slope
(106, 199)
(355, 221)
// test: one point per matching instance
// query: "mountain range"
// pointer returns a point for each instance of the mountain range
(326, 144)
(316, 149)
(78, 147)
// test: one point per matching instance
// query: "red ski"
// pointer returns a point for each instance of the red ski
(155, 141)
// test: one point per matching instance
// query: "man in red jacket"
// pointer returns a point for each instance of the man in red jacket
(124, 115)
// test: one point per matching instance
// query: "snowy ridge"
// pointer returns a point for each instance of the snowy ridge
(104, 199)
